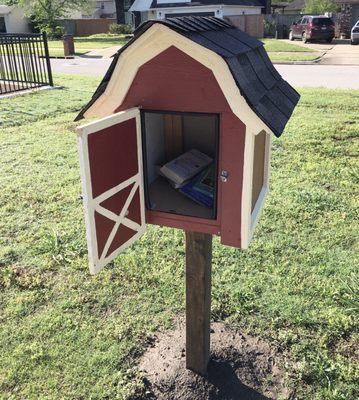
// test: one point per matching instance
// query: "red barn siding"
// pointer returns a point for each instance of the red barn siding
(174, 81)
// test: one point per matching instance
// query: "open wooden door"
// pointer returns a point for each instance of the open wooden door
(112, 180)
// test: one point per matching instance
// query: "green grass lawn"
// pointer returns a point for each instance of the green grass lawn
(68, 335)
(290, 56)
(281, 45)
(280, 50)
(85, 44)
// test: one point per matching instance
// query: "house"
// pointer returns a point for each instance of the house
(160, 9)
(95, 18)
(94, 10)
(294, 8)
(180, 85)
(97, 9)
(278, 7)
(348, 15)
(12, 20)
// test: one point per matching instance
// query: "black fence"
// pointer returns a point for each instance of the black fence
(24, 62)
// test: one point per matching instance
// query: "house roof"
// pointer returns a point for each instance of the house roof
(245, 3)
(296, 5)
(347, 1)
(268, 95)
(4, 9)
(144, 5)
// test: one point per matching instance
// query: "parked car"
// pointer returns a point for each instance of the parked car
(310, 28)
(354, 36)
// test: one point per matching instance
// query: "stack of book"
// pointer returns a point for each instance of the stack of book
(201, 187)
(192, 174)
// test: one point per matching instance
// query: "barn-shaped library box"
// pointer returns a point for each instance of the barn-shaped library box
(181, 87)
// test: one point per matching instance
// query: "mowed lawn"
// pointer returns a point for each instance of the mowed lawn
(280, 50)
(84, 44)
(68, 335)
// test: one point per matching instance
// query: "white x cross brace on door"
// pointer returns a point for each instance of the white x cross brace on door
(112, 180)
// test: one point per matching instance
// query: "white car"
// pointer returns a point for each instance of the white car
(354, 37)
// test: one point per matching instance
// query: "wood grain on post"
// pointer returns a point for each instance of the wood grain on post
(198, 300)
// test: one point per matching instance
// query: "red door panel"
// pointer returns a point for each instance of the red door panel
(111, 171)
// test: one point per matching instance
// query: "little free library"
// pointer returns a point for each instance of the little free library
(185, 116)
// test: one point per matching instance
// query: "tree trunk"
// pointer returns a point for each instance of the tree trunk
(120, 11)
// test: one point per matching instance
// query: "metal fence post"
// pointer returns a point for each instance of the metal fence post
(47, 55)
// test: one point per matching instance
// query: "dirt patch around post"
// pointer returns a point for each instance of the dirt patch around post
(242, 367)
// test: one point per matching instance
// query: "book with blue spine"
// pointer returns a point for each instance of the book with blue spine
(201, 188)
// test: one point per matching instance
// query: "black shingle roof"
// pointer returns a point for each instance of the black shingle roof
(269, 96)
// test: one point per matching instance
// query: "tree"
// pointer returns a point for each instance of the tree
(45, 13)
(120, 11)
(319, 6)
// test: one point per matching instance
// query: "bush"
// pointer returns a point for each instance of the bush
(117, 29)
(55, 32)
(269, 28)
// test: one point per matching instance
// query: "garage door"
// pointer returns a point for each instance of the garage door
(194, 14)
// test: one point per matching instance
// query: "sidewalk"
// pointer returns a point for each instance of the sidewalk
(103, 53)
(81, 66)
(339, 52)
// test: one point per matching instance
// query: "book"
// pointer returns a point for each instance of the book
(186, 166)
(201, 188)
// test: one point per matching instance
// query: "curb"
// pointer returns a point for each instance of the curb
(314, 62)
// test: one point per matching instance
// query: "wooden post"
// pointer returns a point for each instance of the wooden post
(198, 300)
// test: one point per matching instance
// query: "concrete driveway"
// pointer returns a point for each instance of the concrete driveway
(339, 52)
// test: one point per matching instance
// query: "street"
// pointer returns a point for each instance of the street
(330, 76)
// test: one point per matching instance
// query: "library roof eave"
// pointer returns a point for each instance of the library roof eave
(270, 97)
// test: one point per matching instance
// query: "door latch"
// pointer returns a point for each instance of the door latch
(224, 176)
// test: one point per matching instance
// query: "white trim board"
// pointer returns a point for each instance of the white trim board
(250, 218)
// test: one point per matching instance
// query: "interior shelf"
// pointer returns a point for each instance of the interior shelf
(167, 199)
